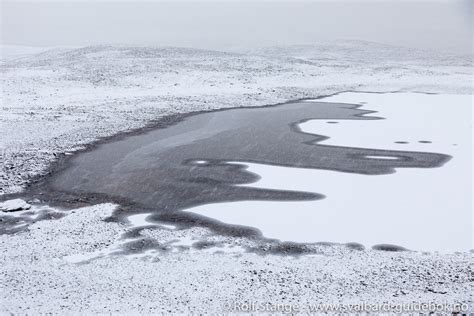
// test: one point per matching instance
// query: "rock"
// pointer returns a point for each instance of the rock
(14, 205)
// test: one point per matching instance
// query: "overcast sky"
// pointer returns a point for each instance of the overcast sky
(442, 25)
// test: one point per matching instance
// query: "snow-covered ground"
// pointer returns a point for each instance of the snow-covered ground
(42, 272)
(61, 100)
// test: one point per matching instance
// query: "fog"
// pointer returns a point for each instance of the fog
(440, 25)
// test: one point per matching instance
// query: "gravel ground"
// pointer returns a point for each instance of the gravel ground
(64, 261)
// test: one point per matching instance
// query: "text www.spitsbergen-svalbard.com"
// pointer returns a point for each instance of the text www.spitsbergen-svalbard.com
(364, 307)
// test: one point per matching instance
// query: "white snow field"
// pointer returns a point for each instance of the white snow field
(413, 208)
(61, 100)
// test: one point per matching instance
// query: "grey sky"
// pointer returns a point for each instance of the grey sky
(442, 25)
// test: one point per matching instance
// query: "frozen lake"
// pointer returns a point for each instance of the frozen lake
(307, 171)
(421, 209)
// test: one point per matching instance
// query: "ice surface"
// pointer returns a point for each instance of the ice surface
(420, 209)
(139, 220)
(414, 118)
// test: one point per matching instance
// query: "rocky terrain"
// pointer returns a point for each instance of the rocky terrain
(72, 261)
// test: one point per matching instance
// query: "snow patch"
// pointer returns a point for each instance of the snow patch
(14, 205)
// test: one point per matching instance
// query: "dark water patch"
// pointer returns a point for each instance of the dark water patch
(425, 141)
(186, 162)
(389, 247)
(355, 246)
(189, 220)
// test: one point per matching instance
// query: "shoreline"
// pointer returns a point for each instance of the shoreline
(71, 110)
(41, 189)
(163, 122)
